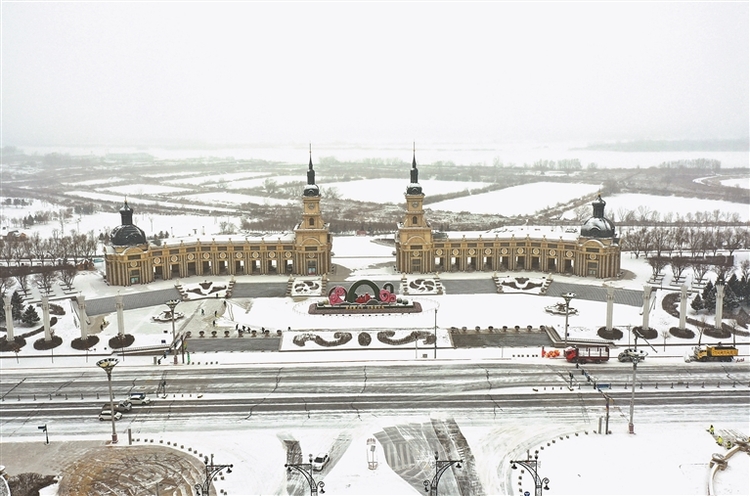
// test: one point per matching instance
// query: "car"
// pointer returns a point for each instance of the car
(107, 415)
(123, 406)
(628, 354)
(139, 399)
(320, 461)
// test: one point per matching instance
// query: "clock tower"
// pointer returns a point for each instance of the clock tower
(414, 236)
(311, 237)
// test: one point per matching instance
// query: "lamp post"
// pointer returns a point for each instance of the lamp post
(306, 470)
(108, 364)
(211, 471)
(435, 332)
(567, 297)
(635, 358)
(431, 486)
(532, 466)
(172, 304)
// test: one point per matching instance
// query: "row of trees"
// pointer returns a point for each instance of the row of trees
(644, 215)
(57, 250)
(683, 240)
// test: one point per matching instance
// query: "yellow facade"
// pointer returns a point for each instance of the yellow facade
(305, 251)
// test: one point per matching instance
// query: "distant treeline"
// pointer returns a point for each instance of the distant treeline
(732, 145)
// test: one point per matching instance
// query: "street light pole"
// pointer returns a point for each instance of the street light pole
(108, 364)
(172, 304)
(211, 471)
(435, 332)
(431, 486)
(306, 470)
(567, 297)
(532, 466)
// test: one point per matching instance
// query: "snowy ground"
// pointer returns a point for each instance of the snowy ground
(662, 458)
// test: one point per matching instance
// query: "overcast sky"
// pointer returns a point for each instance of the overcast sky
(176, 73)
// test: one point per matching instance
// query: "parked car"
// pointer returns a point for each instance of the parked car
(123, 406)
(139, 399)
(628, 354)
(320, 461)
(107, 415)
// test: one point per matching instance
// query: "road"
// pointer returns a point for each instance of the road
(225, 394)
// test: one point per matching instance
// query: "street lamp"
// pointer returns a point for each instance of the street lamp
(431, 486)
(306, 470)
(635, 358)
(531, 466)
(172, 304)
(567, 297)
(108, 364)
(211, 471)
(435, 332)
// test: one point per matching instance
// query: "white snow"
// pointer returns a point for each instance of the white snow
(518, 200)
(663, 457)
(392, 190)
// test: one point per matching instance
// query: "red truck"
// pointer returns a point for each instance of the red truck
(587, 354)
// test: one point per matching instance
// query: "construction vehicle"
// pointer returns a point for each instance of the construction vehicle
(587, 354)
(711, 353)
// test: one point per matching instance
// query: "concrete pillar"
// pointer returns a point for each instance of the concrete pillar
(719, 305)
(8, 317)
(82, 317)
(646, 305)
(683, 306)
(610, 306)
(120, 318)
(45, 317)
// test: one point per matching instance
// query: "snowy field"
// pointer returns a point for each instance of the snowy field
(392, 190)
(223, 198)
(668, 204)
(143, 189)
(517, 200)
(740, 182)
(197, 180)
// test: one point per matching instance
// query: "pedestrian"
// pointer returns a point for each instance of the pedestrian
(216, 313)
(711, 429)
(214, 323)
(225, 302)
(719, 440)
(203, 312)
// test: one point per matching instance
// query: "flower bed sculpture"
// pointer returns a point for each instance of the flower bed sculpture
(351, 301)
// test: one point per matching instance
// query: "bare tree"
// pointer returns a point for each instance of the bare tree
(68, 275)
(699, 269)
(678, 264)
(46, 278)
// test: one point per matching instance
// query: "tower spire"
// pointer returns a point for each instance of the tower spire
(310, 170)
(414, 188)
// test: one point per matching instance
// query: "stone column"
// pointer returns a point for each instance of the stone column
(8, 317)
(45, 317)
(683, 306)
(646, 305)
(719, 305)
(610, 306)
(82, 317)
(120, 318)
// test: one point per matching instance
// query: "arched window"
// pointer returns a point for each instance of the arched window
(414, 220)
(312, 221)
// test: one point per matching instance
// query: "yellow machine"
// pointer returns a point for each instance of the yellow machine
(718, 353)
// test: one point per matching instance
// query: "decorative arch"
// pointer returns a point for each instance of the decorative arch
(351, 295)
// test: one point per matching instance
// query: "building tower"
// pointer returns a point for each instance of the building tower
(311, 237)
(414, 235)
(599, 248)
(128, 240)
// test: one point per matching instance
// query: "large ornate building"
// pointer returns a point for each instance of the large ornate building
(130, 259)
(594, 251)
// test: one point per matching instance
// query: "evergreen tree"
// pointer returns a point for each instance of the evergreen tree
(709, 287)
(697, 303)
(16, 303)
(30, 317)
(731, 301)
